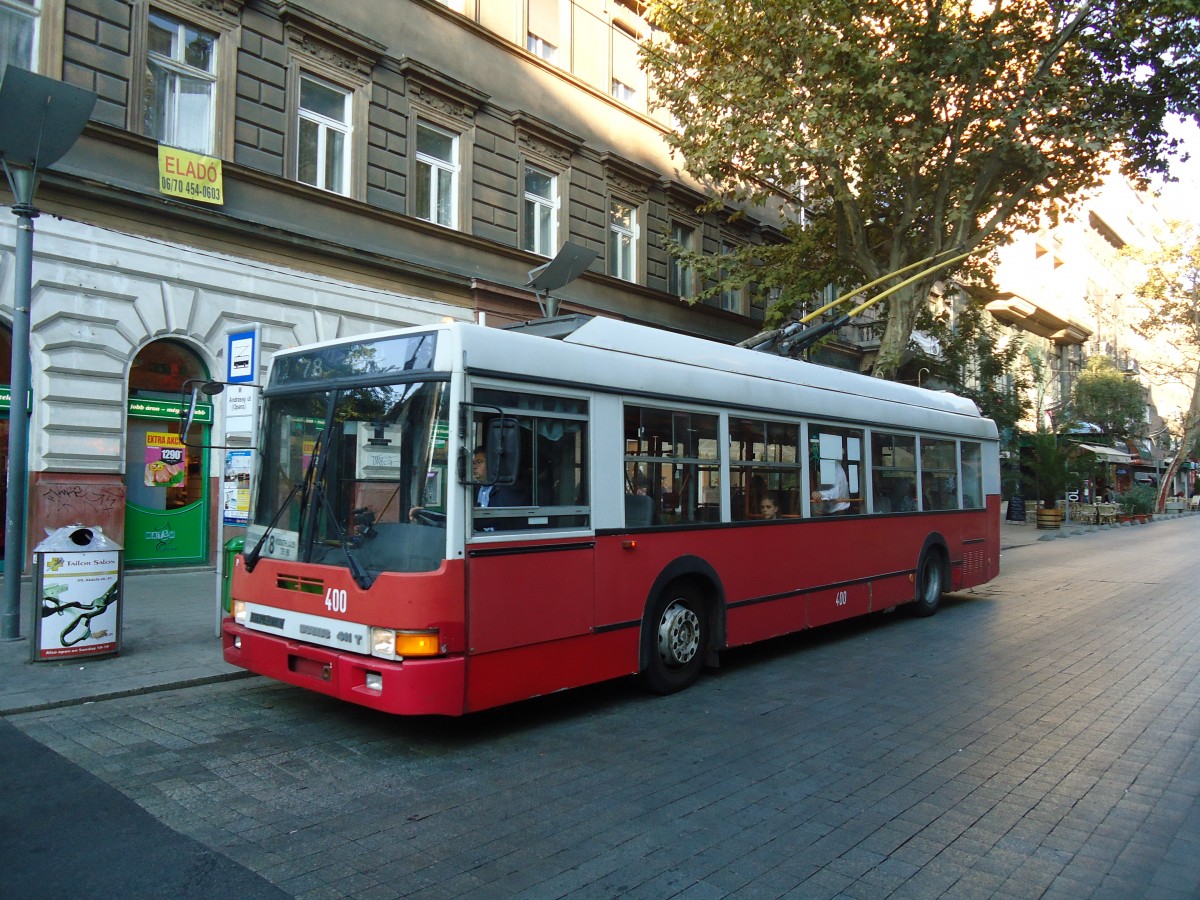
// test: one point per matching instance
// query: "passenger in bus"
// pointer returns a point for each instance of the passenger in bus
(768, 507)
(834, 498)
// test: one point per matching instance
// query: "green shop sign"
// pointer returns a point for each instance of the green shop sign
(169, 409)
(6, 399)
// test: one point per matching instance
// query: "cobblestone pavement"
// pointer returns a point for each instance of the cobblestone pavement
(1038, 737)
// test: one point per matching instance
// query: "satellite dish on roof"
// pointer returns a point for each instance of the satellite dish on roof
(569, 263)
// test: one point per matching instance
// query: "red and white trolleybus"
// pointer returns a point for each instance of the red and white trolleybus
(454, 517)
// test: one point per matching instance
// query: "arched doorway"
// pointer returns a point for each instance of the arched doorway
(166, 480)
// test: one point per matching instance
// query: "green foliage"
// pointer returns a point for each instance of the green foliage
(1137, 501)
(1049, 467)
(1103, 396)
(976, 361)
(912, 129)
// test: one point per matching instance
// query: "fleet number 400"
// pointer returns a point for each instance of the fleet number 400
(335, 600)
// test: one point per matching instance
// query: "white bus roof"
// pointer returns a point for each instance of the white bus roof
(622, 357)
(693, 369)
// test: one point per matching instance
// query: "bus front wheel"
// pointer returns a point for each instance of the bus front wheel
(930, 583)
(675, 639)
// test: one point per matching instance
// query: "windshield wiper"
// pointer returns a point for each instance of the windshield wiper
(360, 575)
(251, 558)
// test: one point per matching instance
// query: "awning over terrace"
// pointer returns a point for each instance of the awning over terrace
(1106, 454)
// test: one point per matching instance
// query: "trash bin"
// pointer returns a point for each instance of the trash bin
(77, 595)
(233, 547)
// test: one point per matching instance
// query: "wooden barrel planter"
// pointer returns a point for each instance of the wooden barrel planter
(1049, 518)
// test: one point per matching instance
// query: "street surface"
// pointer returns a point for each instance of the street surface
(1038, 737)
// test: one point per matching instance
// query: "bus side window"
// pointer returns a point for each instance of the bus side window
(893, 472)
(549, 442)
(835, 466)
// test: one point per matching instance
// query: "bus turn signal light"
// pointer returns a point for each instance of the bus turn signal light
(389, 643)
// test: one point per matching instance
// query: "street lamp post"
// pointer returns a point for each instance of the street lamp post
(40, 120)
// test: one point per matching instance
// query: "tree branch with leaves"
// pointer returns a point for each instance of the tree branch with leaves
(912, 129)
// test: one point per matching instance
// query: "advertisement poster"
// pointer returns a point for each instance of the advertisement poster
(235, 489)
(166, 460)
(78, 605)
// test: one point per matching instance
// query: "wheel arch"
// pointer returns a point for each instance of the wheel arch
(697, 572)
(935, 542)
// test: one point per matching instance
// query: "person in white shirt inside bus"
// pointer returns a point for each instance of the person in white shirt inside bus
(832, 498)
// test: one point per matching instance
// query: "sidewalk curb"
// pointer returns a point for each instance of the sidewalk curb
(128, 692)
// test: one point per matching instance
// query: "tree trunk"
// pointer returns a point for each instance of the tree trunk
(1191, 428)
(903, 307)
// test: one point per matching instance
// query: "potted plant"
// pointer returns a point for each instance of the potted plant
(1048, 471)
(1137, 503)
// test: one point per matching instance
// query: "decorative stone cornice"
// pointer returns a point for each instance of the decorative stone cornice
(541, 137)
(439, 91)
(319, 38)
(627, 176)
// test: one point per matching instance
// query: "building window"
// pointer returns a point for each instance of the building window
(18, 33)
(732, 295)
(623, 92)
(435, 196)
(540, 210)
(622, 240)
(180, 83)
(323, 136)
(681, 278)
(541, 47)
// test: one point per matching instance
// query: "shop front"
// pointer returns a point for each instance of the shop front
(166, 486)
(167, 508)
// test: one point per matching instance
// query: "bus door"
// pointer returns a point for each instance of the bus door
(530, 547)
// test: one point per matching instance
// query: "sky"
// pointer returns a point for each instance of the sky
(1183, 197)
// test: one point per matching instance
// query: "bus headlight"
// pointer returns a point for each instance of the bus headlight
(389, 643)
(239, 612)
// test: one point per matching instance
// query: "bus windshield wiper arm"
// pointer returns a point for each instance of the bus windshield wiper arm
(360, 575)
(251, 558)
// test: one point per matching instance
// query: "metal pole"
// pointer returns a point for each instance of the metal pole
(22, 181)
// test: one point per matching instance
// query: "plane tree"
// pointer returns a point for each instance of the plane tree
(1171, 296)
(913, 129)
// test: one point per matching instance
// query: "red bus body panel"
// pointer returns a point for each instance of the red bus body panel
(524, 619)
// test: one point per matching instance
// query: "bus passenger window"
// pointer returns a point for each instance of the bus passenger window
(672, 457)
(972, 475)
(835, 470)
(550, 489)
(893, 472)
(764, 469)
(939, 474)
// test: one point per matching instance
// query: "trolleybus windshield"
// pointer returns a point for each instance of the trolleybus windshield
(353, 462)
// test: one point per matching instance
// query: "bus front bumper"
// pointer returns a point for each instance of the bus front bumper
(408, 687)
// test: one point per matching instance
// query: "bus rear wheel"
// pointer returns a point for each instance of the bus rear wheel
(675, 639)
(930, 583)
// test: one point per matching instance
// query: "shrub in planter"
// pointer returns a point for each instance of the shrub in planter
(1137, 501)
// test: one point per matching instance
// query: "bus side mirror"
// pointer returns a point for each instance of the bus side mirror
(187, 408)
(503, 447)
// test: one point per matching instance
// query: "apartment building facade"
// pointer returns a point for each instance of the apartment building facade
(383, 163)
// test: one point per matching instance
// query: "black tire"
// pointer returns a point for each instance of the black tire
(930, 584)
(675, 639)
